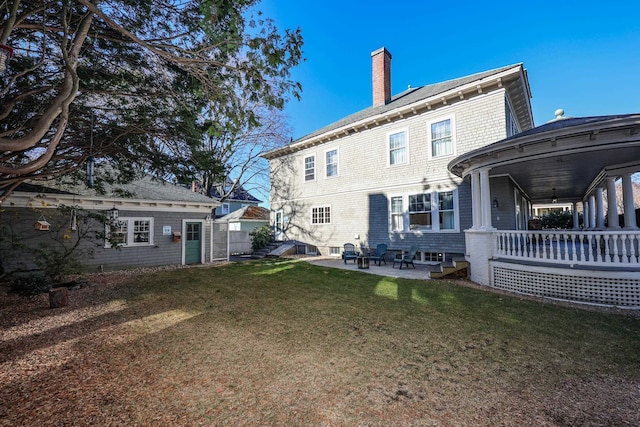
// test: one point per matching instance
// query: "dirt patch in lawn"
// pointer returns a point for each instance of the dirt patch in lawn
(117, 357)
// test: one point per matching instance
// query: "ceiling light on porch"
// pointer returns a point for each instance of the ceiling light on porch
(554, 198)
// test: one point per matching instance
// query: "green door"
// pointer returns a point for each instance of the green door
(193, 243)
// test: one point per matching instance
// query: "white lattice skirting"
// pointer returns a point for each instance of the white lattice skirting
(620, 289)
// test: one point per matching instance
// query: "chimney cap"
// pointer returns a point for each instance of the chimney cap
(381, 50)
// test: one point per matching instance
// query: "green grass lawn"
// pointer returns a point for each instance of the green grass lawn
(289, 343)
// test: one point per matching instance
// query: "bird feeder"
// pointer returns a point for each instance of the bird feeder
(5, 54)
(42, 224)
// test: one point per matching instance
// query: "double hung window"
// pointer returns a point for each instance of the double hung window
(445, 207)
(310, 168)
(331, 160)
(397, 214)
(398, 148)
(420, 212)
(441, 138)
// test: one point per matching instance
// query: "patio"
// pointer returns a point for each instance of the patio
(421, 272)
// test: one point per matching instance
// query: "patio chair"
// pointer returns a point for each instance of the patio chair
(406, 258)
(350, 253)
(378, 256)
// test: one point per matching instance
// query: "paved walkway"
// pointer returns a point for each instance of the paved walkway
(421, 272)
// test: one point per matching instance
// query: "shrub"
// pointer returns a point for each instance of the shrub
(562, 220)
(261, 237)
(30, 285)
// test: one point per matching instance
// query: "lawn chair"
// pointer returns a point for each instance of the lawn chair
(378, 256)
(407, 258)
(350, 253)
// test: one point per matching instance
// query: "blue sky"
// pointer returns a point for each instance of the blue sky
(582, 56)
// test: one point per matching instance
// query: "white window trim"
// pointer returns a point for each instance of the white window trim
(315, 168)
(435, 213)
(225, 208)
(388, 149)
(391, 213)
(131, 243)
(323, 207)
(453, 136)
(337, 150)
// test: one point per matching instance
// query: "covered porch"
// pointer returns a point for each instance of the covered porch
(568, 160)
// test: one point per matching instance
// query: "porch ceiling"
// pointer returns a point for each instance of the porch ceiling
(570, 155)
(571, 174)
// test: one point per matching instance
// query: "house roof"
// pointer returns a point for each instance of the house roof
(143, 192)
(414, 100)
(239, 194)
(566, 156)
(248, 213)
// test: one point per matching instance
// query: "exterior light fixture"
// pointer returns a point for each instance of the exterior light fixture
(5, 54)
(496, 204)
(554, 198)
(112, 215)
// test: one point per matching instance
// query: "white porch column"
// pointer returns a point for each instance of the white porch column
(612, 204)
(599, 209)
(592, 212)
(576, 218)
(585, 215)
(629, 208)
(485, 199)
(476, 204)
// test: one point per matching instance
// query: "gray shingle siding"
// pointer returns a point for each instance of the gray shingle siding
(359, 196)
(163, 252)
(504, 216)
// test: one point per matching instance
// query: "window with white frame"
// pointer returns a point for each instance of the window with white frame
(224, 209)
(430, 212)
(321, 215)
(397, 214)
(398, 148)
(310, 168)
(331, 158)
(446, 210)
(441, 135)
(130, 232)
(420, 212)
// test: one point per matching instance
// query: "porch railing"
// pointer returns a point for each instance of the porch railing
(597, 248)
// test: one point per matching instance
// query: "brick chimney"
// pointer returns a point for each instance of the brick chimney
(381, 76)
